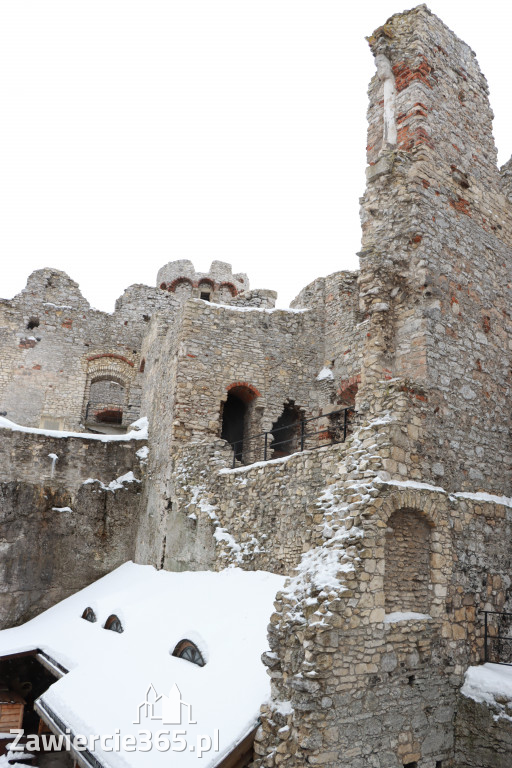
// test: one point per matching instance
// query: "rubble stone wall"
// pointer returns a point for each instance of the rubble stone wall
(483, 735)
(435, 265)
(63, 522)
(335, 299)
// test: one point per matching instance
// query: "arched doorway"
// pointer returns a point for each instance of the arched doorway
(238, 419)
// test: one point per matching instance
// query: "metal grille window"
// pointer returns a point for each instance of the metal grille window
(187, 650)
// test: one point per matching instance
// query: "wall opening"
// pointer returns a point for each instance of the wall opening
(286, 431)
(106, 402)
(407, 562)
(33, 322)
(240, 420)
(233, 423)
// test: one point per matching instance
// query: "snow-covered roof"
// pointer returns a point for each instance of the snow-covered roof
(225, 614)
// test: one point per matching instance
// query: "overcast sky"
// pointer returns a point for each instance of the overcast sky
(135, 133)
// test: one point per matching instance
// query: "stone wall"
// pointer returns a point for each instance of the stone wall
(271, 355)
(435, 264)
(483, 735)
(335, 299)
(261, 517)
(64, 522)
(53, 345)
(28, 458)
(352, 683)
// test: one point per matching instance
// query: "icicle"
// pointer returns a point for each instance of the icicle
(53, 457)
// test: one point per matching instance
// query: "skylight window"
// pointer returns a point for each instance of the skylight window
(114, 624)
(89, 615)
(187, 650)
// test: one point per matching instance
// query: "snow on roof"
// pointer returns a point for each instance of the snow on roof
(138, 431)
(225, 614)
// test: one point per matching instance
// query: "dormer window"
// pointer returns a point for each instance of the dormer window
(89, 615)
(187, 650)
(114, 624)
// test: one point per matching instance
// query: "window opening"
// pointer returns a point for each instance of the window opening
(189, 651)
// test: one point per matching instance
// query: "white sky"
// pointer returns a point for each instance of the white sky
(138, 132)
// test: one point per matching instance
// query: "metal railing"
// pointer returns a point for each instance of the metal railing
(497, 643)
(335, 431)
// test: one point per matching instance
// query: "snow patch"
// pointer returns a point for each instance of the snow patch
(267, 310)
(138, 431)
(392, 618)
(414, 484)
(325, 373)
(488, 683)
(505, 501)
(61, 509)
(114, 485)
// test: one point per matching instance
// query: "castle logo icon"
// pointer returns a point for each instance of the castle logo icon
(168, 709)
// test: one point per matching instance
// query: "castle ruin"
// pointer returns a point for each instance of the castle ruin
(358, 443)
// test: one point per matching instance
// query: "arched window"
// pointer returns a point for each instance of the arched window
(407, 562)
(226, 291)
(189, 651)
(181, 286)
(114, 624)
(89, 615)
(106, 401)
(286, 431)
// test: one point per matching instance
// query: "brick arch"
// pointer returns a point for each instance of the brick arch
(231, 288)
(208, 281)
(348, 390)
(179, 281)
(104, 367)
(111, 355)
(244, 391)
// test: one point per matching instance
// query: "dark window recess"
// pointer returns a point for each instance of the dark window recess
(146, 318)
(114, 624)
(286, 431)
(233, 423)
(32, 323)
(109, 416)
(189, 651)
(205, 296)
(89, 615)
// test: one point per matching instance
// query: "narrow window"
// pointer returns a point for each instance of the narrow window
(205, 296)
